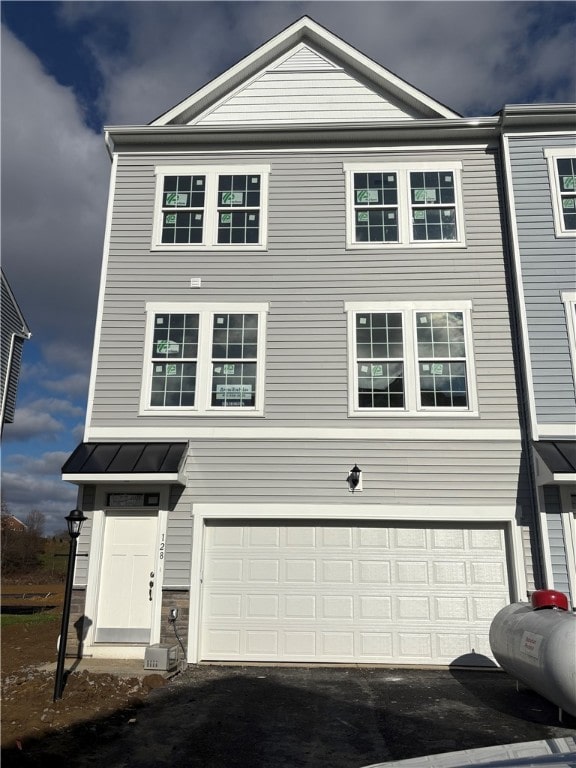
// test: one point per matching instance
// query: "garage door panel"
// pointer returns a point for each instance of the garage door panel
(368, 593)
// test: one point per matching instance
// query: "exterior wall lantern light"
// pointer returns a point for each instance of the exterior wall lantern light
(354, 479)
(74, 522)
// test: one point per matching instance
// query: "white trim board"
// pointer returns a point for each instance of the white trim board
(275, 433)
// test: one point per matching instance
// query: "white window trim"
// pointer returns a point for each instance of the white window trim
(210, 231)
(202, 405)
(412, 407)
(405, 238)
(552, 154)
(569, 301)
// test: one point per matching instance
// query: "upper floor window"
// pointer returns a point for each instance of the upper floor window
(201, 207)
(404, 204)
(204, 358)
(562, 172)
(410, 358)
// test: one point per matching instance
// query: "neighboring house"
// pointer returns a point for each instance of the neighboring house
(304, 271)
(540, 153)
(13, 334)
(11, 523)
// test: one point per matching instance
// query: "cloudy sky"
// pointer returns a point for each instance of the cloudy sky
(70, 68)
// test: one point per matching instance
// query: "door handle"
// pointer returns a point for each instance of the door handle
(150, 585)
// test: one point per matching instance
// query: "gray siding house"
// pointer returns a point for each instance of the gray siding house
(304, 274)
(14, 333)
(539, 146)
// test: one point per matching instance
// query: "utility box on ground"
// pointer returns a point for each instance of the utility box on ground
(162, 658)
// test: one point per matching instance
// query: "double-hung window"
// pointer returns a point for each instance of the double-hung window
(209, 207)
(204, 358)
(410, 358)
(562, 173)
(404, 204)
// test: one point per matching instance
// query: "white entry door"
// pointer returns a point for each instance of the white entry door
(127, 580)
(365, 592)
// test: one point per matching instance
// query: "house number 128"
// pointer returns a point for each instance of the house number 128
(162, 547)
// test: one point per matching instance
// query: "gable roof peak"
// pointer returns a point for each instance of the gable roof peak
(326, 45)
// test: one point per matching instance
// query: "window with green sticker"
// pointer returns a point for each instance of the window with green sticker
(433, 206)
(395, 203)
(174, 360)
(376, 207)
(567, 186)
(203, 360)
(441, 359)
(411, 358)
(207, 207)
(380, 359)
(562, 176)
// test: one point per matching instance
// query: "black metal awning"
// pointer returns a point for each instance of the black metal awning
(558, 455)
(160, 461)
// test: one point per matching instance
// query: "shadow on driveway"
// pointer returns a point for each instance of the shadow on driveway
(314, 717)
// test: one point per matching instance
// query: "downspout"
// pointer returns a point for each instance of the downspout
(519, 350)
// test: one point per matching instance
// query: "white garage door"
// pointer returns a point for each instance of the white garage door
(350, 593)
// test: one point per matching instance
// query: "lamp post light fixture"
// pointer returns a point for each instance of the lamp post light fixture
(74, 522)
(354, 479)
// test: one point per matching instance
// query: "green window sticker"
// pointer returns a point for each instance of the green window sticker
(225, 218)
(232, 198)
(437, 369)
(362, 216)
(569, 182)
(167, 347)
(377, 370)
(174, 199)
(420, 195)
(171, 218)
(419, 215)
(569, 202)
(171, 370)
(229, 369)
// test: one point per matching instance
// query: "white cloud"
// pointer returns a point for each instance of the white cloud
(45, 418)
(49, 463)
(26, 491)
(54, 187)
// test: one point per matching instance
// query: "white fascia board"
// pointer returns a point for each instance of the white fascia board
(128, 477)
(556, 431)
(564, 477)
(168, 433)
(421, 512)
(303, 29)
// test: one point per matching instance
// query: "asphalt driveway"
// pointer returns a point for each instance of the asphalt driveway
(320, 717)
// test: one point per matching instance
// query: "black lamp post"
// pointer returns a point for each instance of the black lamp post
(74, 521)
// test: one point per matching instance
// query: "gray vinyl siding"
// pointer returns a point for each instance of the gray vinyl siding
(548, 266)
(260, 472)
(13, 330)
(307, 275)
(556, 539)
(178, 539)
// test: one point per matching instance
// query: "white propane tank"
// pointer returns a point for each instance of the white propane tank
(536, 644)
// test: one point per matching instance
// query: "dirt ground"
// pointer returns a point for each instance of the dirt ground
(28, 712)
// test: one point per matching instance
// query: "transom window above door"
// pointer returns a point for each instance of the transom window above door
(404, 205)
(208, 207)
